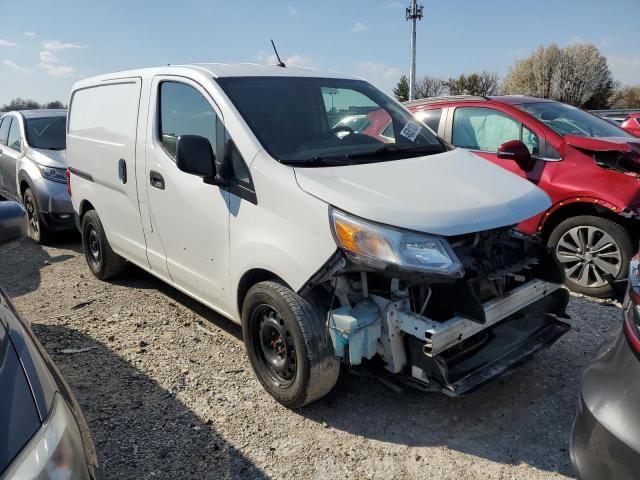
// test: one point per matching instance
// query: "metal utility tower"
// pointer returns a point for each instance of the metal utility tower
(413, 13)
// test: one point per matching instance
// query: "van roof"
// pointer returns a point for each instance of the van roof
(218, 70)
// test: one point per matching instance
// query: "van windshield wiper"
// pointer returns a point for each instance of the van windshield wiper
(395, 150)
(319, 162)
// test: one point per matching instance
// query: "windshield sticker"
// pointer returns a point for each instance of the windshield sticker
(411, 131)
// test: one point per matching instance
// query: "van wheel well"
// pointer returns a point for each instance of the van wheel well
(250, 278)
(85, 206)
(577, 209)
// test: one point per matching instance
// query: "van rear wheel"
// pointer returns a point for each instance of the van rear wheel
(103, 262)
(288, 345)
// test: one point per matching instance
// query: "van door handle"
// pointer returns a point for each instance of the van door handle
(122, 170)
(156, 180)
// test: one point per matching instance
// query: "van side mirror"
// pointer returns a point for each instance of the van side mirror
(517, 151)
(13, 222)
(194, 155)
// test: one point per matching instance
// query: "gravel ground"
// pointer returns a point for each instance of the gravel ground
(168, 392)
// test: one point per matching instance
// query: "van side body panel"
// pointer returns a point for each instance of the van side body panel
(286, 233)
(101, 135)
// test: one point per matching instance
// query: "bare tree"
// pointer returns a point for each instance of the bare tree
(22, 104)
(477, 83)
(626, 97)
(430, 87)
(56, 104)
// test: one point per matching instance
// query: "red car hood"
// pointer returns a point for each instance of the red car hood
(604, 144)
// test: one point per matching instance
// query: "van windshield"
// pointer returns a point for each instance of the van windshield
(306, 121)
(47, 133)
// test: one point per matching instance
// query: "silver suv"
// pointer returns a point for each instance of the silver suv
(33, 168)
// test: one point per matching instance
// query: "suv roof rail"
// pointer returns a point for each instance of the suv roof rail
(445, 98)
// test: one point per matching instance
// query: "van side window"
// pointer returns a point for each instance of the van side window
(4, 129)
(14, 136)
(184, 111)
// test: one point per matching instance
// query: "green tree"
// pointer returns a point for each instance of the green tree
(401, 90)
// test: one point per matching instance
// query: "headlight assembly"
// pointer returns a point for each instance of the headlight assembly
(378, 246)
(54, 174)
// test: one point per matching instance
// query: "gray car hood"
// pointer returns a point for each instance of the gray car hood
(49, 158)
(451, 193)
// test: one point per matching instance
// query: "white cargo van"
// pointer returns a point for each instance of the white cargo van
(240, 186)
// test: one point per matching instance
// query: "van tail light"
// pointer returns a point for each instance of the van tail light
(68, 175)
(632, 312)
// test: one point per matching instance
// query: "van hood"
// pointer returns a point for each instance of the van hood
(451, 193)
(48, 158)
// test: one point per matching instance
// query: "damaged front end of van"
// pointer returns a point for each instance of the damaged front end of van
(447, 313)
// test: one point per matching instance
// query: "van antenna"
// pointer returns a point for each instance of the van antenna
(280, 62)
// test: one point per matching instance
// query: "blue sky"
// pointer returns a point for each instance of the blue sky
(46, 45)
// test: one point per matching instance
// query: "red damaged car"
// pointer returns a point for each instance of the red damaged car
(589, 167)
(632, 124)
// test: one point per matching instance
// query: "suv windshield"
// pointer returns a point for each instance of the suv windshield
(47, 133)
(321, 121)
(567, 120)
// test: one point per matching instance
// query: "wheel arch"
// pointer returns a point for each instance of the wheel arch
(581, 206)
(24, 182)
(251, 278)
(85, 206)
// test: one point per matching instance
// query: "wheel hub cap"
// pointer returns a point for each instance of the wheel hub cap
(32, 216)
(275, 345)
(588, 255)
(93, 244)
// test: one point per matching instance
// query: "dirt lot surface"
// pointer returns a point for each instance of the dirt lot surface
(169, 393)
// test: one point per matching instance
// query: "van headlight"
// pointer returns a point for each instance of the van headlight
(54, 174)
(55, 451)
(378, 246)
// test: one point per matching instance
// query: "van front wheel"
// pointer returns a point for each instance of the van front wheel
(288, 345)
(103, 262)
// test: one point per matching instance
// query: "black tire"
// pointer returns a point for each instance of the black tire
(103, 262)
(288, 345)
(36, 230)
(613, 260)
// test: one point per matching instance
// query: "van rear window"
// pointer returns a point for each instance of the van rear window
(106, 112)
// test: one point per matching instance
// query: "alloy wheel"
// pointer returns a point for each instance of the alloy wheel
(588, 254)
(32, 217)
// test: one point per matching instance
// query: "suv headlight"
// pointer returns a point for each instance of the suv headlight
(54, 174)
(372, 244)
(55, 451)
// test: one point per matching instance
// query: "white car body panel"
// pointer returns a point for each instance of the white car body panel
(452, 193)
